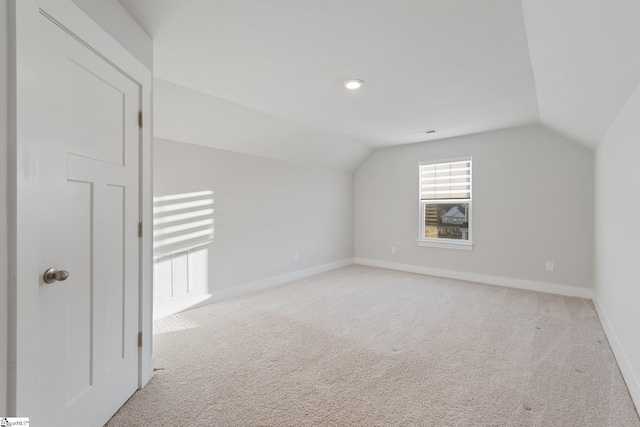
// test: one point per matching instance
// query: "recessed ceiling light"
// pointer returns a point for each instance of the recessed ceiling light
(353, 84)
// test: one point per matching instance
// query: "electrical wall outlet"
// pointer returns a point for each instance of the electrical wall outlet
(549, 265)
(393, 249)
(296, 256)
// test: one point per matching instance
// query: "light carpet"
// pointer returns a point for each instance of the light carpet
(363, 346)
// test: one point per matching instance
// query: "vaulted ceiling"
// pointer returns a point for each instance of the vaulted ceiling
(454, 66)
(586, 62)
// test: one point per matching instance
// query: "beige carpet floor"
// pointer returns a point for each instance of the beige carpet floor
(362, 346)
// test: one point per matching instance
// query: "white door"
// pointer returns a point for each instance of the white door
(83, 194)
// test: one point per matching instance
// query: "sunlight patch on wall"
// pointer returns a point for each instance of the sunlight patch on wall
(183, 227)
(182, 222)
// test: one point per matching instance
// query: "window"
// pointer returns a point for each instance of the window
(445, 203)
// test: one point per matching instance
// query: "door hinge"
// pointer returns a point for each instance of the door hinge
(139, 339)
(140, 118)
(139, 229)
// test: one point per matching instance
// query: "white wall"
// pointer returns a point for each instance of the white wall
(617, 254)
(115, 20)
(265, 210)
(4, 172)
(532, 202)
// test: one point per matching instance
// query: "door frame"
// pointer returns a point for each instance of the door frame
(24, 282)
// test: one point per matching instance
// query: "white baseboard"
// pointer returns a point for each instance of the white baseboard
(633, 385)
(164, 309)
(530, 285)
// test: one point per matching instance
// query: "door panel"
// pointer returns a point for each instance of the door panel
(78, 301)
(103, 122)
(114, 291)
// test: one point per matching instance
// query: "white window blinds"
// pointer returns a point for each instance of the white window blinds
(450, 180)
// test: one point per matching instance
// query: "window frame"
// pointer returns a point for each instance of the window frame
(444, 242)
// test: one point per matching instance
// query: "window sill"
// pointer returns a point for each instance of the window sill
(463, 246)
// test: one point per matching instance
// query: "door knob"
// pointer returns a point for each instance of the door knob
(54, 275)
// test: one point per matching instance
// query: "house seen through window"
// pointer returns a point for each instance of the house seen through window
(445, 201)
